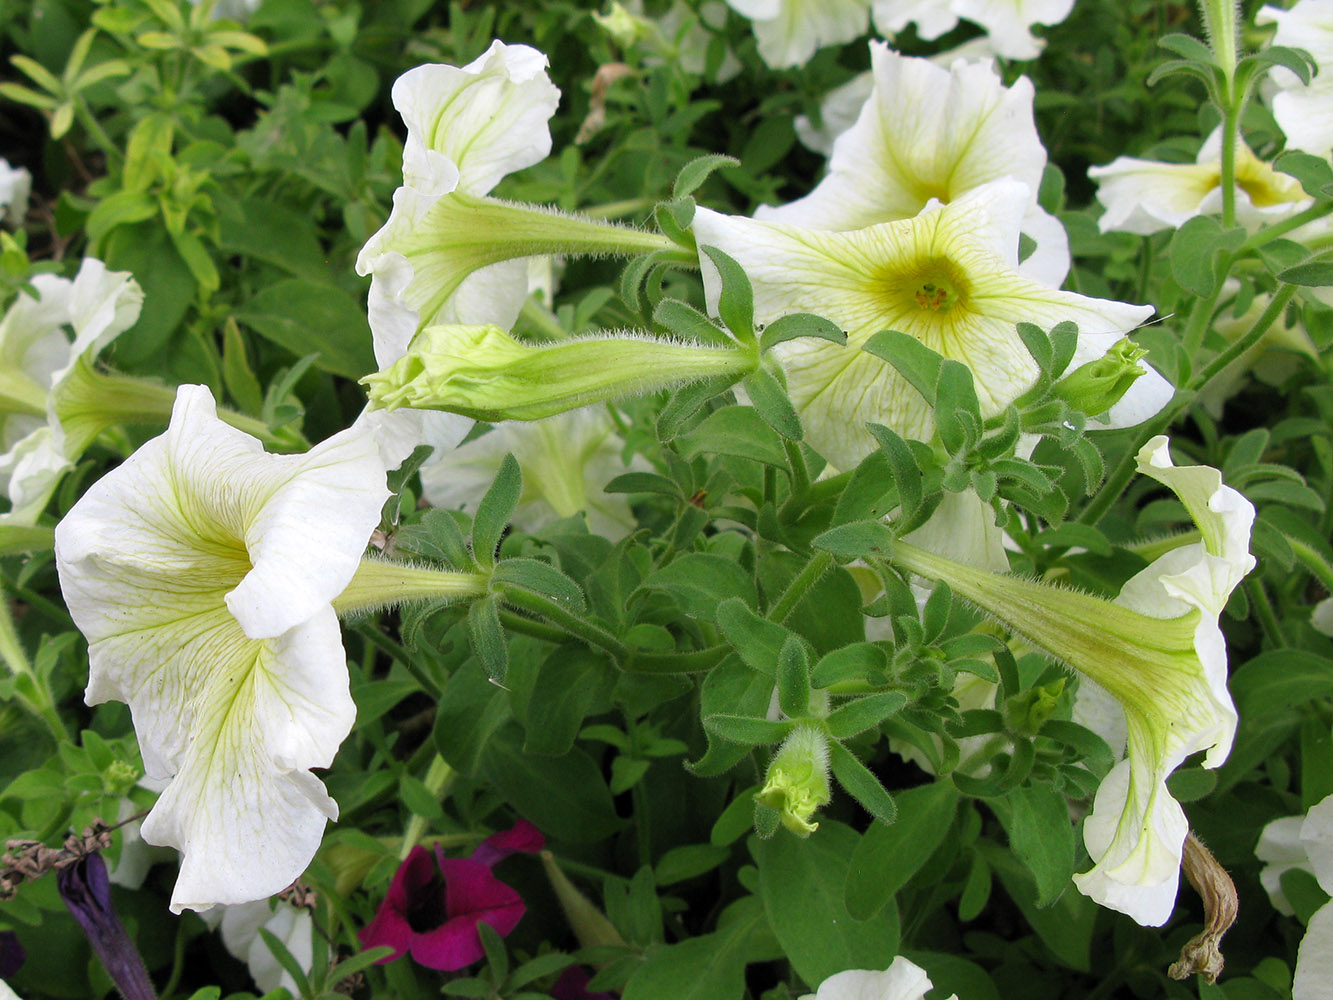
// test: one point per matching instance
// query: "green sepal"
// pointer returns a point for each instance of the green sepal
(495, 510)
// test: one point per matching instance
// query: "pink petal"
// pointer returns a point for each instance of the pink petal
(522, 838)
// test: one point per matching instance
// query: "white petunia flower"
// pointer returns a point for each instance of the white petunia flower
(1145, 196)
(15, 187)
(201, 571)
(789, 32)
(1305, 110)
(930, 134)
(948, 277)
(1158, 651)
(466, 130)
(1304, 842)
(240, 925)
(1005, 21)
(40, 426)
(565, 461)
(1322, 616)
(903, 980)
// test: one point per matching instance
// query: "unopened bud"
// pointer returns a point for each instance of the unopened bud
(797, 783)
(1097, 386)
(1027, 711)
(484, 373)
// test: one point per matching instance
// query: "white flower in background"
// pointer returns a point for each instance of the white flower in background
(565, 461)
(240, 925)
(903, 980)
(1304, 842)
(681, 36)
(1304, 110)
(1005, 21)
(201, 571)
(38, 365)
(948, 277)
(1158, 651)
(1145, 196)
(789, 32)
(928, 134)
(1322, 616)
(466, 130)
(1136, 831)
(15, 186)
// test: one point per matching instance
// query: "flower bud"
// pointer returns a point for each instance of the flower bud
(1098, 385)
(484, 373)
(797, 783)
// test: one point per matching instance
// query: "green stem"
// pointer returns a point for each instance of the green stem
(1279, 229)
(38, 700)
(818, 565)
(1230, 130)
(531, 627)
(800, 474)
(379, 584)
(89, 121)
(581, 628)
(1263, 608)
(695, 661)
(1117, 481)
(398, 654)
(439, 776)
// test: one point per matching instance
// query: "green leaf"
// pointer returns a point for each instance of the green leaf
(418, 799)
(735, 303)
(689, 861)
(1279, 679)
(747, 730)
(542, 578)
(685, 403)
(730, 687)
(572, 683)
(795, 325)
(1187, 47)
(644, 482)
(697, 170)
(564, 797)
(1314, 172)
(870, 494)
(907, 476)
(913, 360)
(495, 510)
(146, 250)
(148, 147)
(735, 430)
(1039, 346)
(706, 967)
(237, 375)
(1036, 817)
(699, 581)
(802, 883)
(856, 540)
(1315, 274)
(864, 713)
(276, 234)
(470, 711)
(793, 673)
(1195, 248)
(853, 662)
(770, 400)
(488, 638)
(756, 640)
(887, 856)
(306, 317)
(287, 960)
(683, 319)
(1065, 927)
(857, 780)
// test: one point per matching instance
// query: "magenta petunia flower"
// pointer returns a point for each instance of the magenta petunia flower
(435, 903)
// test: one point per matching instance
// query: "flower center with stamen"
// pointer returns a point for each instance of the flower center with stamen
(933, 286)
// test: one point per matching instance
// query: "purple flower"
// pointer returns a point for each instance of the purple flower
(11, 954)
(573, 985)
(86, 890)
(435, 903)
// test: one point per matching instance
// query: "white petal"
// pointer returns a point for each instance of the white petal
(838, 111)
(1314, 961)
(1281, 850)
(1136, 833)
(903, 980)
(147, 558)
(1305, 114)
(933, 17)
(1049, 263)
(30, 472)
(15, 187)
(790, 31)
(1007, 22)
(102, 305)
(1317, 840)
(1322, 616)
(925, 132)
(468, 128)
